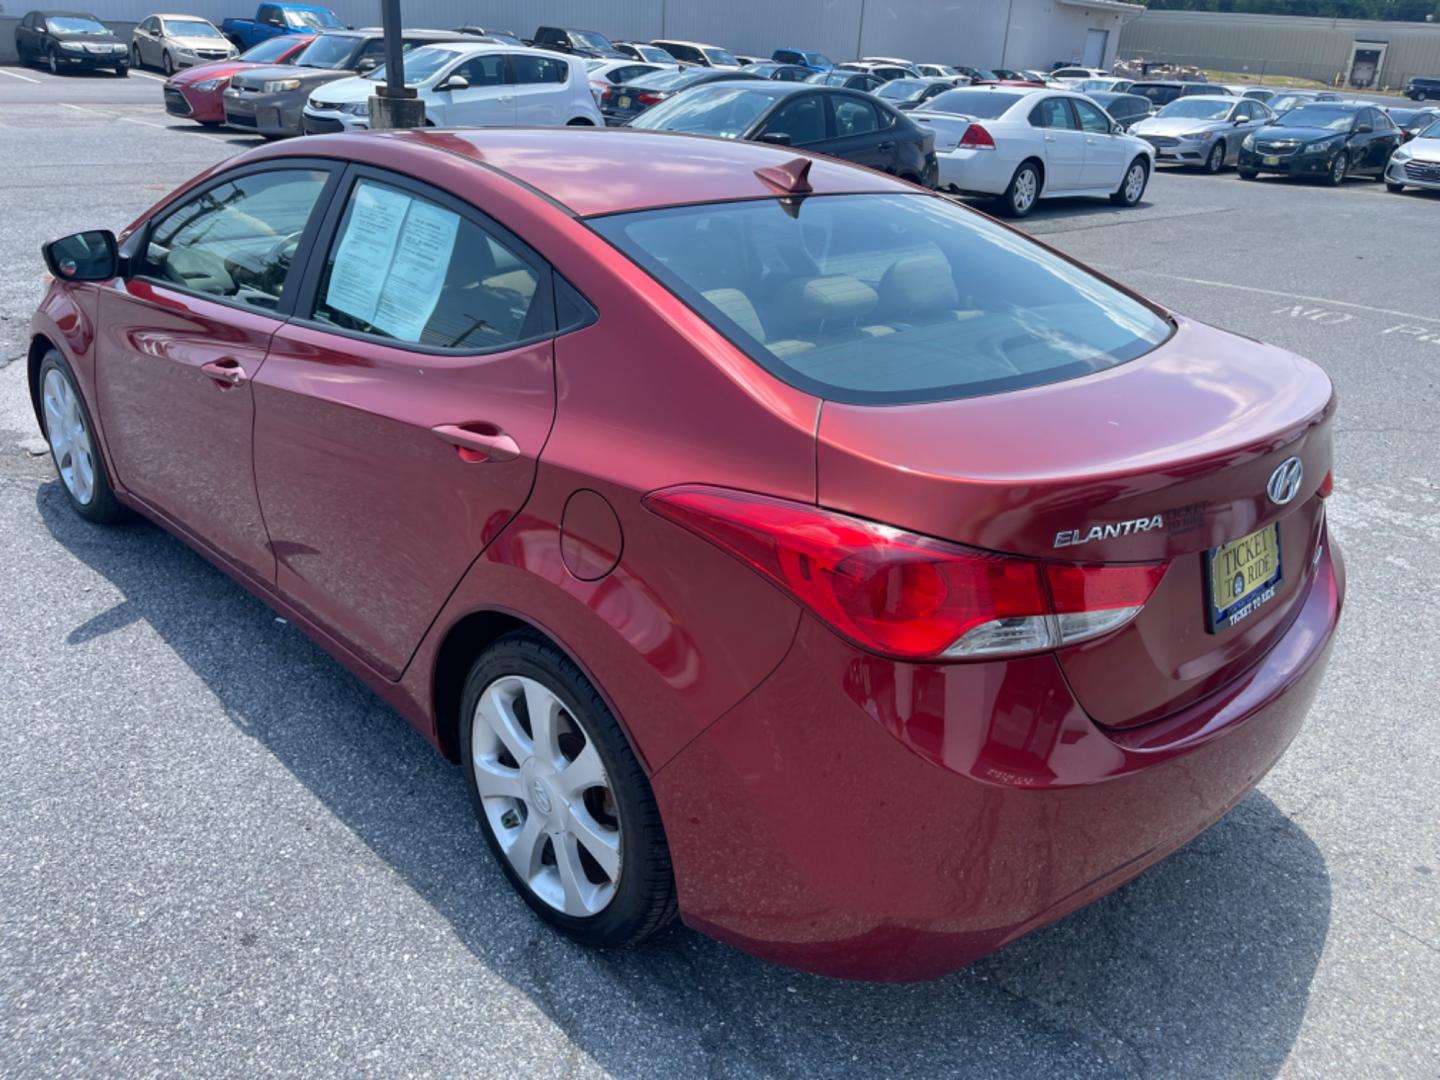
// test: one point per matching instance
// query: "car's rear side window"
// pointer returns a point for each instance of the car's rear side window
(886, 299)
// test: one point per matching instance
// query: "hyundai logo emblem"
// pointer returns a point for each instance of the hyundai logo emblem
(1284, 482)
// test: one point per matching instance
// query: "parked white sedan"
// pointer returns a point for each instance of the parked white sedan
(465, 85)
(1416, 163)
(1025, 145)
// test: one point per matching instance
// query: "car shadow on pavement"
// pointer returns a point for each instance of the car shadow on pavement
(1201, 966)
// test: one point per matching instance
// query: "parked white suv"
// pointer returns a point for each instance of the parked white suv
(465, 85)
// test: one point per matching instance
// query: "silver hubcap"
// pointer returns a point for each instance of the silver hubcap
(69, 439)
(1340, 167)
(1025, 185)
(1134, 183)
(546, 796)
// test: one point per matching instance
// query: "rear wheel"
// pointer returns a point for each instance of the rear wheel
(1216, 161)
(1132, 187)
(72, 443)
(1024, 190)
(562, 801)
(123, 70)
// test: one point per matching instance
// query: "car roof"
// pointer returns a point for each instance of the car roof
(592, 171)
(1217, 98)
(178, 15)
(681, 41)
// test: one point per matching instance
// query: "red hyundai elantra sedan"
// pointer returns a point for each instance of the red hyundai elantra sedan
(771, 540)
(198, 93)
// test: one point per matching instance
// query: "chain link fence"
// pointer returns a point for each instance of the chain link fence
(1141, 63)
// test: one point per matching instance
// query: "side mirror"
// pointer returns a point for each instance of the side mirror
(1362, 129)
(368, 64)
(1117, 128)
(776, 138)
(83, 256)
(454, 82)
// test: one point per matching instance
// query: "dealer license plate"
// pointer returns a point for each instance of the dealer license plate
(1271, 160)
(1242, 577)
(624, 102)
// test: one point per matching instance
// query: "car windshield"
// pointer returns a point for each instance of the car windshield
(724, 110)
(901, 89)
(667, 79)
(883, 299)
(329, 51)
(1403, 116)
(1159, 93)
(190, 28)
(1198, 109)
(312, 20)
(721, 58)
(589, 39)
(1431, 132)
(816, 59)
(270, 50)
(419, 65)
(1287, 101)
(1318, 116)
(74, 24)
(981, 104)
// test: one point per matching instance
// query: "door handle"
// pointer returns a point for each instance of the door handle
(478, 442)
(1049, 138)
(226, 372)
(1089, 142)
(887, 145)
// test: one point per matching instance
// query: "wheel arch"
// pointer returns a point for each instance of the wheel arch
(40, 344)
(1039, 163)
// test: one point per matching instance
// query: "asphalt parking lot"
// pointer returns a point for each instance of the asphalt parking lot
(220, 855)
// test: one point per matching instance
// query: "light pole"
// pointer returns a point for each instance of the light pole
(395, 105)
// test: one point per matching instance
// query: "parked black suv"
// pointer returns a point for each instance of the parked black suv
(70, 41)
(1423, 89)
(577, 43)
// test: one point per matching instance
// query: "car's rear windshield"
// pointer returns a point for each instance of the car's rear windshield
(667, 79)
(901, 89)
(1197, 108)
(981, 104)
(885, 299)
(724, 109)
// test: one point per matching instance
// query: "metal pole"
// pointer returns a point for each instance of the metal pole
(1005, 41)
(860, 33)
(395, 105)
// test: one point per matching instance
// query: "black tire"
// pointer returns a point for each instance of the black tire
(1216, 161)
(1338, 170)
(167, 64)
(1021, 195)
(1126, 194)
(1420, 95)
(644, 900)
(53, 62)
(1247, 174)
(102, 508)
(123, 70)
(135, 60)
(1393, 188)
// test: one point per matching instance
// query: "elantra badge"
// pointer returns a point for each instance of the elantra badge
(1284, 482)
(1109, 531)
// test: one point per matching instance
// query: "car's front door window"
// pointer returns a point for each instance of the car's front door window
(802, 118)
(235, 241)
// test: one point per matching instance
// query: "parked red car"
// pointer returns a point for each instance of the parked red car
(768, 537)
(197, 93)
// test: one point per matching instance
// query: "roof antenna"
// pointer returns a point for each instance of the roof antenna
(792, 178)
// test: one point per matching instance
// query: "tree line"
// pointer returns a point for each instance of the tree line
(1402, 10)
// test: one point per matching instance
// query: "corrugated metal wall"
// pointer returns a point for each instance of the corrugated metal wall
(1281, 45)
(938, 31)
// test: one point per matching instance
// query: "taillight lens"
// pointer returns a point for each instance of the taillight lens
(977, 138)
(1327, 486)
(1093, 600)
(903, 595)
(648, 98)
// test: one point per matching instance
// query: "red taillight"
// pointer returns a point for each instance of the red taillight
(1327, 485)
(646, 97)
(1077, 588)
(976, 138)
(897, 593)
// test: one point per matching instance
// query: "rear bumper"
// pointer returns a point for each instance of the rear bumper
(867, 819)
(983, 172)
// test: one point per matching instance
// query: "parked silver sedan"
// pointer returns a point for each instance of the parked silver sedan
(1202, 131)
(1416, 163)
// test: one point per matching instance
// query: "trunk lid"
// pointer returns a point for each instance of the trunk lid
(1162, 458)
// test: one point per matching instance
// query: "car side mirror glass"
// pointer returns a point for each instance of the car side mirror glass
(83, 256)
(776, 138)
(454, 82)
(368, 64)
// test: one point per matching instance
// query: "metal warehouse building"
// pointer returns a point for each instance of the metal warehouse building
(981, 33)
(1356, 52)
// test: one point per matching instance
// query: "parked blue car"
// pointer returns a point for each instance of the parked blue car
(808, 58)
(272, 20)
